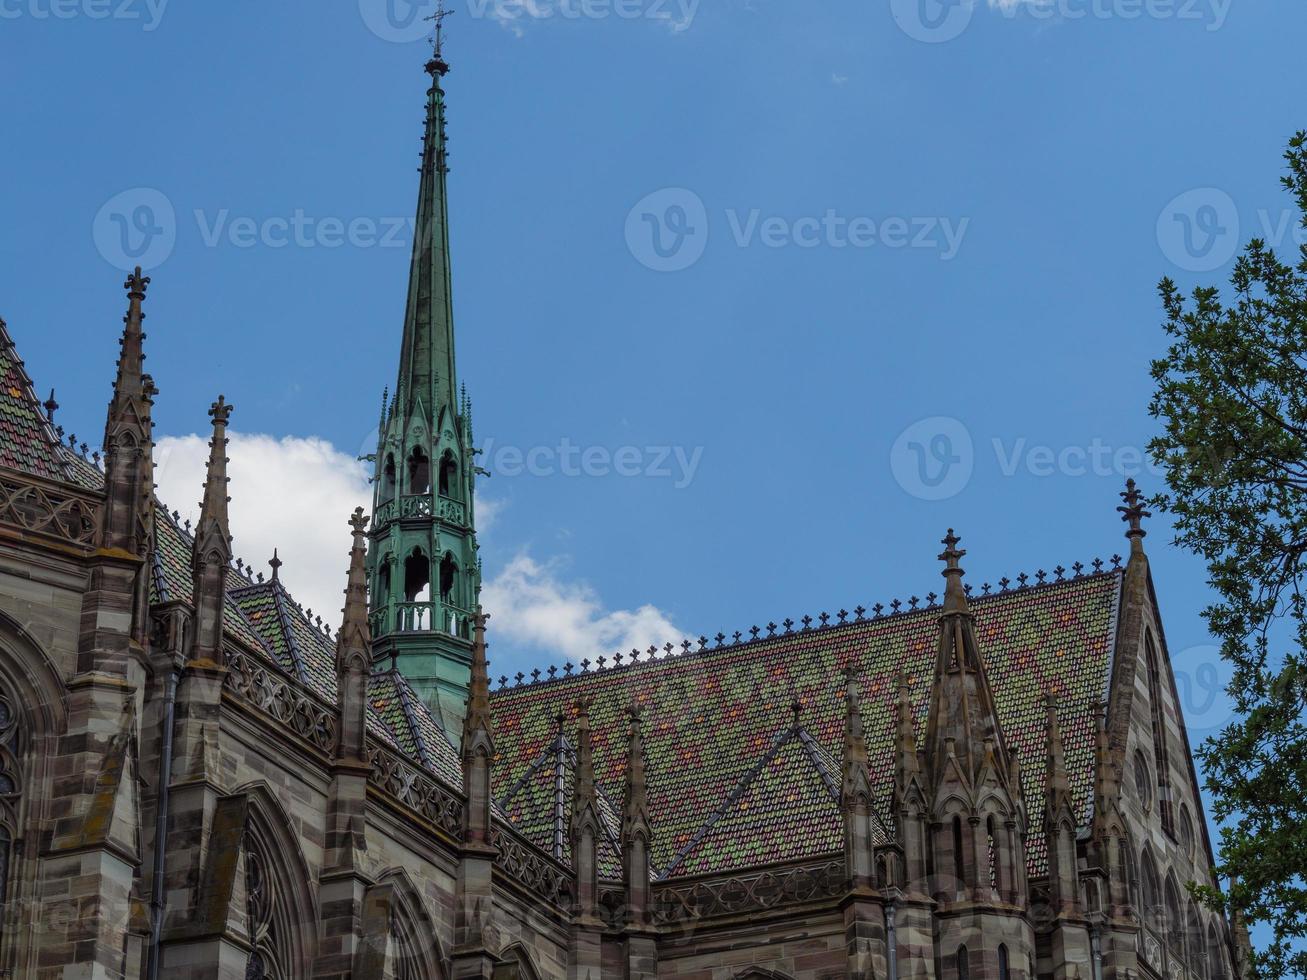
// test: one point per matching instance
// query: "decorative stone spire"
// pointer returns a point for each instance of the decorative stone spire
(962, 701)
(955, 596)
(1133, 512)
(586, 827)
(907, 761)
(128, 436)
(637, 833)
(1057, 786)
(478, 742)
(211, 555)
(355, 639)
(354, 646)
(1059, 817)
(855, 792)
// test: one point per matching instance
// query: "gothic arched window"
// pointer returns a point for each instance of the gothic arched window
(388, 478)
(448, 473)
(964, 966)
(1161, 755)
(1004, 970)
(448, 579)
(11, 786)
(959, 864)
(1215, 961)
(419, 471)
(1151, 894)
(266, 960)
(1174, 924)
(417, 575)
(993, 853)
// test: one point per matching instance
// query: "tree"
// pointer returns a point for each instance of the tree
(1232, 396)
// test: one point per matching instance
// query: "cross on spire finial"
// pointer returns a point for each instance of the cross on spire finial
(1133, 514)
(438, 63)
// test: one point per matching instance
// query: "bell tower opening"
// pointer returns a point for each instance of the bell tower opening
(419, 472)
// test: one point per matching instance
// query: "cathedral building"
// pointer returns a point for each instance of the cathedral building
(199, 780)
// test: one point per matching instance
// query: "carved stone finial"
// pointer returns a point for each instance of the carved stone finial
(51, 406)
(955, 598)
(952, 554)
(1133, 512)
(136, 284)
(359, 522)
(276, 564)
(220, 411)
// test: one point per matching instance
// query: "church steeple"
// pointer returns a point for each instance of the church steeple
(422, 563)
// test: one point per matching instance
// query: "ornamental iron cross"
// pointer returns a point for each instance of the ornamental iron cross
(439, 18)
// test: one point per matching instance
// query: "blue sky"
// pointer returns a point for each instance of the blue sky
(887, 212)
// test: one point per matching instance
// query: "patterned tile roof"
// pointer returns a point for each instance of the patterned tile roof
(27, 442)
(397, 714)
(713, 718)
(539, 805)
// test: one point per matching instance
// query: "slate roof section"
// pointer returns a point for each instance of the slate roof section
(712, 718)
(539, 805)
(27, 441)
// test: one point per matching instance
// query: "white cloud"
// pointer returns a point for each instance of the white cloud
(292, 494)
(532, 606)
(296, 495)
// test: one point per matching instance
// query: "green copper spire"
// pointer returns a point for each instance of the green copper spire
(422, 562)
